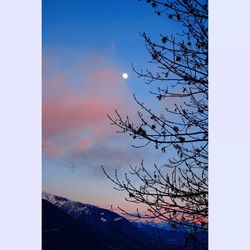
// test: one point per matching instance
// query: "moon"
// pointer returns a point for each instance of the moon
(125, 75)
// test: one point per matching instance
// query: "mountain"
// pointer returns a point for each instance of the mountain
(89, 227)
(61, 231)
(74, 225)
(179, 238)
(165, 236)
(79, 210)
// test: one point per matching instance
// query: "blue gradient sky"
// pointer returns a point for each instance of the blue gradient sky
(87, 45)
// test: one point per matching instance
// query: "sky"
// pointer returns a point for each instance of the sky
(86, 46)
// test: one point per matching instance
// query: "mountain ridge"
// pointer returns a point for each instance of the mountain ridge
(112, 231)
(107, 226)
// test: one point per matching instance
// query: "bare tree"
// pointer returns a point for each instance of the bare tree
(177, 191)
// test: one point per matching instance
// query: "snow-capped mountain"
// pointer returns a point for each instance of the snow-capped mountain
(98, 228)
(56, 200)
(67, 222)
(111, 230)
(80, 210)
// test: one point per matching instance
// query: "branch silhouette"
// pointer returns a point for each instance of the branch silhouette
(177, 191)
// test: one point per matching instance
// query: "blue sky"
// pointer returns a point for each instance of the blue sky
(87, 45)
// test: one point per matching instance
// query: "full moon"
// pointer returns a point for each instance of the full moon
(125, 76)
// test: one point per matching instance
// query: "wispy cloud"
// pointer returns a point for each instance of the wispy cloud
(75, 108)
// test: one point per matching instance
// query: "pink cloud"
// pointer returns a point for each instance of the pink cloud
(77, 104)
(72, 109)
(72, 112)
(51, 149)
(84, 144)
